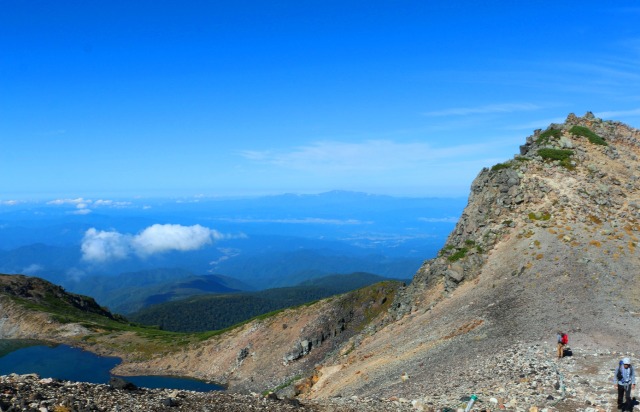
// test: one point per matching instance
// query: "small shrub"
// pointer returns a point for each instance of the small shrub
(462, 252)
(539, 216)
(445, 249)
(585, 132)
(500, 166)
(547, 134)
(555, 154)
(551, 133)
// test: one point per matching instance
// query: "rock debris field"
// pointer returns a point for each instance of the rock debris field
(524, 378)
(33, 393)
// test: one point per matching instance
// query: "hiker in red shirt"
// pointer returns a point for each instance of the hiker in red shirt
(563, 339)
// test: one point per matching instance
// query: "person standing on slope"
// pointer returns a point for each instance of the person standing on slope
(563, 339)
(625, 379)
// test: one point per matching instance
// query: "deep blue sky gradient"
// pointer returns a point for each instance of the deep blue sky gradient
(140, 98)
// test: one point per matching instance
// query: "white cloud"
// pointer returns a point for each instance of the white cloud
(32, 269)
(619, 113)
(162, 238)
(439, 219)
(110, 203)
(81, 211)
(307, 220)
(101, 246)
(486, 109)
(536, 124)
(75, 274)
(361, 158)
(82, 208)
(9, 202)
(59, 202)
(82, 203)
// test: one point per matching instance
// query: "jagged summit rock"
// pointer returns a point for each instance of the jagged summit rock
(584, 171)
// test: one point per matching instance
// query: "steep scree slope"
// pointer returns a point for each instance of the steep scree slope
(548, 241)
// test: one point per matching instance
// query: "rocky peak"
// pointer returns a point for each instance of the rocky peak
(583, 170)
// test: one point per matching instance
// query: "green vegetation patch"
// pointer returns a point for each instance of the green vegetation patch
(63, 312)
(282, 386)
(500, 166)
(561, 155)
(539, 216)
(446, 249)
(548, 134)
(460, 253)
(585, 132)
(555, 154)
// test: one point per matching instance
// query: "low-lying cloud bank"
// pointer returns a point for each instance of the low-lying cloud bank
(102, 246)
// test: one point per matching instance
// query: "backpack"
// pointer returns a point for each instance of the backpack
(619, 374)
(565, 339)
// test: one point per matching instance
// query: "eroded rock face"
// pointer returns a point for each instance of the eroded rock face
(276, 351)
(596, 181)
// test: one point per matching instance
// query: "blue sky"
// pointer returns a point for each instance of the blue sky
(116, 99)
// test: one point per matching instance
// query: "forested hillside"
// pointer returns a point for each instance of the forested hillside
(219, 311)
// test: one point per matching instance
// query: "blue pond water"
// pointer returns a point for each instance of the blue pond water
(66, 362)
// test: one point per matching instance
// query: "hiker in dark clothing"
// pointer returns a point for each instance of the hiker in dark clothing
(625, 379)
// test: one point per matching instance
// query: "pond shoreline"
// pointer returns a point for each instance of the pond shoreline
(54, 359)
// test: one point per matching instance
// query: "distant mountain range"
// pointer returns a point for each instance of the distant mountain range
(129, 292)
(265, 242)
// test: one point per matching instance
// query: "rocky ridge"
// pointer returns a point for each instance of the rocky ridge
(597, 185)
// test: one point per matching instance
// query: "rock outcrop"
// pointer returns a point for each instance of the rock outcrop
(20, 295)
(596, 182)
